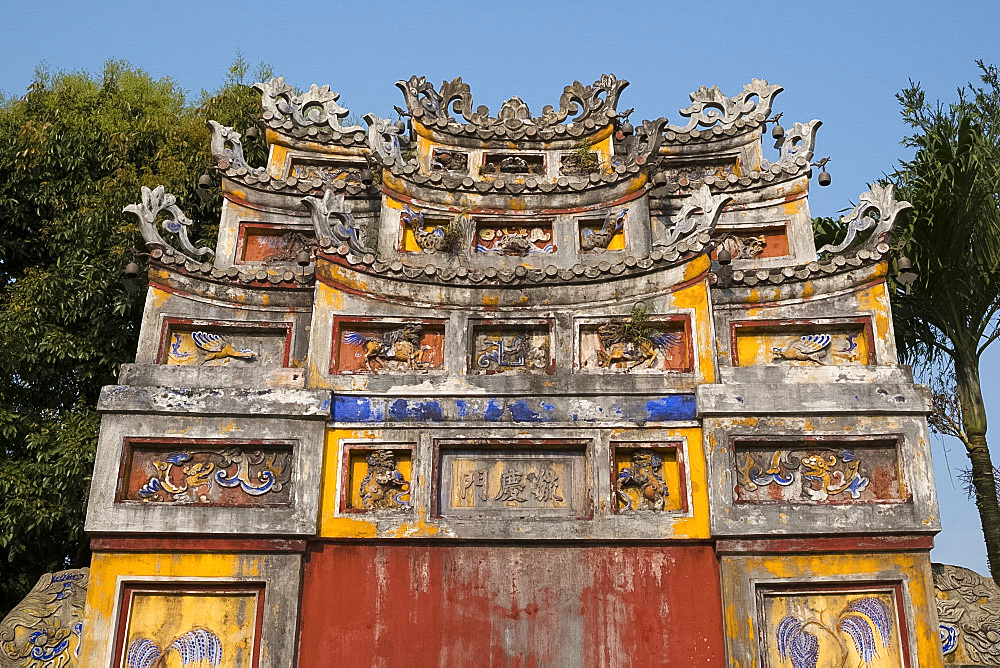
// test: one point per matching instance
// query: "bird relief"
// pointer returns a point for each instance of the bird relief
(822, 344)
(406, 347)
(206, 348)
(821, 349)
(833, 630)
(195, 648)
(514, 239)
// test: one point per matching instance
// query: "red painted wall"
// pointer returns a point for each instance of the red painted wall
(467, 605)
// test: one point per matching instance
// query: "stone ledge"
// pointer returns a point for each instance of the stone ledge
(276, 402)
(816, 398)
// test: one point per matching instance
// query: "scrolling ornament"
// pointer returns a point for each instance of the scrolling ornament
(317, 107)
(881, 201)
(157, 201)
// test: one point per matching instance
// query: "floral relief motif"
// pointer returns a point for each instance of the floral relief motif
(198, 647)
(864, 625)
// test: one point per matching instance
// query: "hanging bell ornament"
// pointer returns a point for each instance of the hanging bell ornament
(252, 133)
(628, 129)
(131, 270)
(824, 177)
(302, 258)
(205, 181)
(367, 176)
(778, 132)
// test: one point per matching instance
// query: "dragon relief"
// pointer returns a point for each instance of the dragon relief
(384, 487)
(599, 240)
(821, 474)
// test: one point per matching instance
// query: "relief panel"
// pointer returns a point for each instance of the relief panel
(580, 163)
(326, 171)
(819, 470)
(845, 341)
(751, 243)
(213, 473)
(513, 347)
(658, 345)
(507, 237)
(648, 477)
(431, 233)
(376, 477)
(189, 625)
(212, 343)
(449, 160)
(597, 235)
(378, 346)
(510, 164)
(686, 173)
(833, 627)
(544, 479)
(259, 242)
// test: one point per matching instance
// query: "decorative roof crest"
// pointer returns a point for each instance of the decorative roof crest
(157, 201)
(227, 145)
(799, 142)
(384, 140)
(346, 232)
(431, 106)
(710, 106)
(881, 200)
(318, 106)
(689, 223)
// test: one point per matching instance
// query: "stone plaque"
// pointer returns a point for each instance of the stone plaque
(205, 343)
(513, 481)
(822, 343)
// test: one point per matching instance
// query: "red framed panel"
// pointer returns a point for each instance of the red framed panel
(340, 323)
(346, 474)
(668, 444)
(129, 589)
(824, 323)
(247, 326)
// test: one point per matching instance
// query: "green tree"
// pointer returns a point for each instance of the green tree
(74, 150)
(949, 315)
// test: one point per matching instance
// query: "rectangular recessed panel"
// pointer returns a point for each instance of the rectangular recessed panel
(517, 481)
(237, 345)
(373, 346)
(826, 472)
(803, 343)
(753, 242)
(210, 473)
(513, 236)
(513, 347)
(833, 628)
(272, 243)
(662, 346)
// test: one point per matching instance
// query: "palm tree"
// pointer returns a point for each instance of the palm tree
(947, 314)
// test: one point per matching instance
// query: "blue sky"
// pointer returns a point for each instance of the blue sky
(839, 61)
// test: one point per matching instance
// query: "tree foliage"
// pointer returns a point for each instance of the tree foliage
(948, 316)
(74, 150)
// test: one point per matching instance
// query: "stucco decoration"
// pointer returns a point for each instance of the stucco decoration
(799, 144)
(346, 232)
(384, 140)
(318, 106)
(699, 212)
(227, 147)
(591, 106)
(155, 202)
(709, 106)
(46, 628)
(968, 607)
(880, 200)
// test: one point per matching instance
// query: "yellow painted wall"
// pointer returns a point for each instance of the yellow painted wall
(913, 569)
(106, 570)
